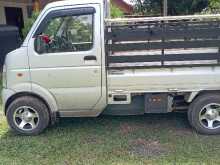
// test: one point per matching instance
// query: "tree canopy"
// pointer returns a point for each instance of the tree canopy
(115, 11)
(177, 7)
(213, 7)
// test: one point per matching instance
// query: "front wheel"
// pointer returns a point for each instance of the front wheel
(27, 115)
(204, 114)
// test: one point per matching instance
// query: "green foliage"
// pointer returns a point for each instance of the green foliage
(28, 24)
(53, 26)
(148, 7)
(116, 12)
(213, 7)
(82, 27)
(187, 7)
(177, 7)
(214, 3)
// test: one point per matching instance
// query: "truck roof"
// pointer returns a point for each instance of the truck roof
(72, 2)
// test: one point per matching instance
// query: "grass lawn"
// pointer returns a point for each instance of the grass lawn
(133, 140)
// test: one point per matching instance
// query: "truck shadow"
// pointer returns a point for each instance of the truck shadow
(172, 122)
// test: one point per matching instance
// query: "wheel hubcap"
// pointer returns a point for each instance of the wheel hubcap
(210, 116)
(26, 118)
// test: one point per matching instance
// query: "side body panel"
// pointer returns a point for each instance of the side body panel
(17, 63)
(190, 79)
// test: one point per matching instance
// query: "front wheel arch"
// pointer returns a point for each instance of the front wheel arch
(52, 115)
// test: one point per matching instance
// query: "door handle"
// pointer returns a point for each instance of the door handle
(90, 58)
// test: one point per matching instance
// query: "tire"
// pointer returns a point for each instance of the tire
(27, 115)
(199, 116)
(189, 115)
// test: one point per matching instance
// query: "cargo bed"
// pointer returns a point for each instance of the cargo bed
(180, 41)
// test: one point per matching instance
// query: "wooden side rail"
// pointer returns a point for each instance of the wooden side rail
(182, 33)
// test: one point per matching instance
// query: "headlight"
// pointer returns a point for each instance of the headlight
(4, 78)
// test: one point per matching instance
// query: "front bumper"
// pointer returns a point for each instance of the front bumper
(6, 94)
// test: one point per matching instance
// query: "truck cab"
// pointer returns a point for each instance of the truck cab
(62, 60)
(62, 70)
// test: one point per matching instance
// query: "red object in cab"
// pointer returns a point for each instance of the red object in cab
(46, 39)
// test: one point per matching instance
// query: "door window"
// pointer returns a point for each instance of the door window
(66, 34)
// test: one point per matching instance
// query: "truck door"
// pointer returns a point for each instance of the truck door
(65, 56)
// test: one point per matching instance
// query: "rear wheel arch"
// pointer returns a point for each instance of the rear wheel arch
(202, 100)
(195, 95)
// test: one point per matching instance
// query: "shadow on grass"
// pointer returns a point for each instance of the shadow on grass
(171, 122)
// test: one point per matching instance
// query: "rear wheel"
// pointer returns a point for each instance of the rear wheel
(204, 114)
(27, 115)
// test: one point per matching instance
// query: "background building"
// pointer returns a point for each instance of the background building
(15, 12)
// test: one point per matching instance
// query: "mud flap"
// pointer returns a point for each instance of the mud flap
(157, 103)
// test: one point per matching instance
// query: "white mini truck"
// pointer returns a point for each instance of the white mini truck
(75, 62)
